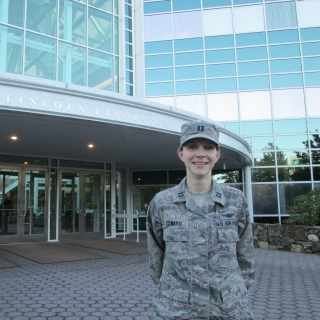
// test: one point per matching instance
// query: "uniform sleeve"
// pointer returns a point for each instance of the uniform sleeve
(245, 253)
(155, 246)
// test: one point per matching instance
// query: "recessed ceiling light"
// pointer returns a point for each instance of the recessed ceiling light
(25, 162)
(90, 145)
(14, 138)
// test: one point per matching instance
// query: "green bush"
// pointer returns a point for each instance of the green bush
(306, 209)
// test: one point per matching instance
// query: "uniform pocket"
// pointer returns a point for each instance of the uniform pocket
(228, 235)
(175, 234)
(233, 291)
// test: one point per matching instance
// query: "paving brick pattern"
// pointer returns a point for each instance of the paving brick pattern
(118, 287)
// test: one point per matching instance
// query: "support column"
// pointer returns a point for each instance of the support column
(248, 190)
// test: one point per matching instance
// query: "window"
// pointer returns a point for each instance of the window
(221, 70)
(219, 42)
(250, 39)
(283, 36)
(158, 47)
(254, 53)
(220, 56)
(188, 44)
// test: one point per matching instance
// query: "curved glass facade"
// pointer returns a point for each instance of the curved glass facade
(70, 41)
(253, 65)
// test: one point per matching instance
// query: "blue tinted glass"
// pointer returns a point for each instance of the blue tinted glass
(185, 4)
(256, 127)
(314, 124)
(312, 78)
(159, 89)
(128, 23)
(286, 50)
(129, 77)
(221, 70)
(188, 44)
(190, 72)
(129, 63)
(254, 53)
(235, 2)
(291, 142)
(158, 47)
(311, 48)
(234, 126)
(310, 34)
(128, 36)
(253, 83)
(189, 58)
(259, 143)
(290, 126)
(250, 39)
(128, 49)
(286, 80)
(283, 36)
(219, 42)
(159, 74)
(220, 56)
(256, 67)
(215, 3)
(157, 6)
(311, 63)
(288, 65)
(128, 10)
(161, 60)
(220, 85)
(194, 86)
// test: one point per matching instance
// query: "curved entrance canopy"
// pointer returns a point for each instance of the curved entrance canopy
(60, 120)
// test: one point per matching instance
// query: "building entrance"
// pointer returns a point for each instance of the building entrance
(81, 205)
(24, 204)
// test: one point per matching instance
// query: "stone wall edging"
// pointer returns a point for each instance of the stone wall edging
(294, 238)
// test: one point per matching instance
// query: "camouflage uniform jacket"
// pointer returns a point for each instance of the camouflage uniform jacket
(207, 263)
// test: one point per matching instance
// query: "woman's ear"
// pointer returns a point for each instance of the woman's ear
(180, 153)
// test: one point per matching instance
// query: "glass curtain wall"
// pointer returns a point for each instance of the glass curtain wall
(62, 40)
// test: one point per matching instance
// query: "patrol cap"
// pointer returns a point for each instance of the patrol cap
(199, 129)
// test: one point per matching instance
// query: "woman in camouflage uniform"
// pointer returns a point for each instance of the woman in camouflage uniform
(200, 238)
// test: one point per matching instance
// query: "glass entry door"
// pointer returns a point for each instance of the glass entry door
(24, 204)
(80, 205)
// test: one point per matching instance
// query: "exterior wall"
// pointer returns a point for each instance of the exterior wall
(301, 239)
(253, 65)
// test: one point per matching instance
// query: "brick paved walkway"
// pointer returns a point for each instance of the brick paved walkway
(118, 287)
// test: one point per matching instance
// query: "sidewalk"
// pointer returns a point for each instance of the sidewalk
(118, 286)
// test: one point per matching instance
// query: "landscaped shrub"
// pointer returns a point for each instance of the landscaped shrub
(306, 209)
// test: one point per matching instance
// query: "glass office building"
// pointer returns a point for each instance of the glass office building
(93, 94)
(254, 66)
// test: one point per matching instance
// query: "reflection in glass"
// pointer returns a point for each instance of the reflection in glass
(104, 5)
(290, 126)
(220, 56)
(215, 3)
(315, 156)
(189, 72)
(265, 158)
(234, 126)
(287, 65)
(312, 78)
(160, 89)
(283, 36)
(256, 127)
(256, 67)
(314, 124)
(293, 157)
(315, 141)
(161, 74)
(288, 193)
(263, 175)
(41, 16)
(250, 39)
(11, 41)
(311, 48)
(227, 176)
(72, 20)
(291, 142)
(294, 174)
(286, 80)
(100, 30)
(188, 44)
(40, 56)
(12, 12)
(310, 34)
(161, 60)
(185, 5)
(222, 84)
(193, 86)
(217, 42)
(286, 50)
(316, 174)
(221, 70)
(182, 28)
(311, 63)
(72, 63)
(254, 53)
(157, 6)
(158, 47)
(264, 199)
(188, 58)
(253, 83)
(259, 143)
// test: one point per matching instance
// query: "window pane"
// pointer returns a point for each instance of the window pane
(286, 50)
(129, 63)
(291, 142)
(104, 5)
(188, 44)
(263, 175)
(236, 2)
(287, 80)
(194, 86)
(252, 83)
(315, 157)
(182, 28)
(12, 12)
(161, 60)
(190, 72)
(219, 42)
(11, 41)
(128, 49)
(290, 126)
(189, 58)
(262, 159)
(157, 6)
(294, 174)
(261, 143)
(264, 199)
(221, 70)
(42, 18)
(149, 177)
(159, 74)
(234, 126)
(281, 15)
(159, 89)
(72, 22)
(314, 124)
(164, 33)
(310, 34)
(99, 30)
(283, 36)
(315, 141)
(312, 78)
(256, 127)
(311, 48)
(294, 157)
(250, 39)
(311, 63)
(220, 56)
(40, 56)
(256, 67)
(220, 85)
(185, 4)
(215, 3)
(288, 65)
(158, 47)
(72, 64)
(254, 53)
(100, 70)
